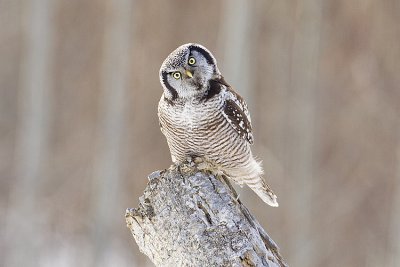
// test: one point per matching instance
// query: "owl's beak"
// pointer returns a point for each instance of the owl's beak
(188, 73)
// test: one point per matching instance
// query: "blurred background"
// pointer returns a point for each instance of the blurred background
(79, 130)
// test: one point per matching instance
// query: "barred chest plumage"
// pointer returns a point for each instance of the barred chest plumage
(198, 128)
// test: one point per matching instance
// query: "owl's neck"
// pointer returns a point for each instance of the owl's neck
(202, 92)
(214, 87)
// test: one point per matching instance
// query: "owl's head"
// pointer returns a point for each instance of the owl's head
(186, 72)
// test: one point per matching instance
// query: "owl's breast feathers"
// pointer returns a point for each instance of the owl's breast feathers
(219, 105)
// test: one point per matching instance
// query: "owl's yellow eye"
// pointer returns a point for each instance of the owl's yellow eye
(192, 61)
(177, 75)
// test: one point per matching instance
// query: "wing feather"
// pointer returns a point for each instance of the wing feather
(237, 114)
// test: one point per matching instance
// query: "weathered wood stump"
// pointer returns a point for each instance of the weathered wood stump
(187, 217)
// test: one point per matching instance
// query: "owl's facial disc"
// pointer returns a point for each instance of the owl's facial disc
(186, 72)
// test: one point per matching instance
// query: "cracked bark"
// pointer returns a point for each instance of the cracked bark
(191, 218)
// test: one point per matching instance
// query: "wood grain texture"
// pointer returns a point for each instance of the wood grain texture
(192, 218)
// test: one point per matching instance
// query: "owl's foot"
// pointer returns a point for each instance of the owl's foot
(201, 163)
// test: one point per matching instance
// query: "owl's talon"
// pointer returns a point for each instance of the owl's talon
(202, 166)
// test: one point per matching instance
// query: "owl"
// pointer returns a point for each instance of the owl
(202, 117)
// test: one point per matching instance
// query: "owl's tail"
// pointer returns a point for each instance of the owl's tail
(265, 193)
(259, 186)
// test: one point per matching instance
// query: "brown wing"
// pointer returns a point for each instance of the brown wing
(238, 116)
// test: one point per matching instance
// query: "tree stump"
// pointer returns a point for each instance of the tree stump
(188, 217)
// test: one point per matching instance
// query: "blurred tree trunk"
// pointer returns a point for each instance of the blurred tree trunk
(32, 131)
(111, 125)
(300, 126)
(394, 231)
(190, 218)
